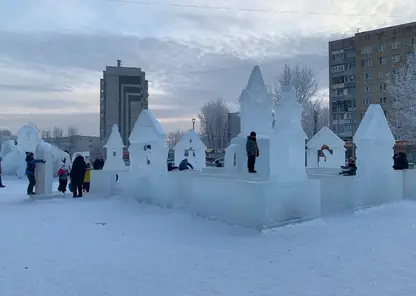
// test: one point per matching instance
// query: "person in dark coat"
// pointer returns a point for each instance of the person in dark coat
(252, 152)
(1, 184)
(97, 165)
(185, 165)
(30, 171)
(77, 175)
(400, 161)
(102, 164)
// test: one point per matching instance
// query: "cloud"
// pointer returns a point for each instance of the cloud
(190, 55)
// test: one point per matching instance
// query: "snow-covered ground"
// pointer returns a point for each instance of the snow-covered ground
(99, 247)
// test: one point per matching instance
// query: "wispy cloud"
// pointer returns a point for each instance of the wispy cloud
(52, 52)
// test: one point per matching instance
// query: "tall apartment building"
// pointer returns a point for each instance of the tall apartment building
(359, 67)
(123, 95)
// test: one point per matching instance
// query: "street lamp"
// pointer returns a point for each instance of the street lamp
(193, 123)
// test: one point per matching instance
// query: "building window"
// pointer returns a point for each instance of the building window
(366, 101)
(395, 44)
(367, 63)
(382, 60)
(338, 68)
(411, 42)
(362, 115)
(382, 47)
(366, 89)
(366, 50)
(380, 74)
(396, 58)
(383, 87)
(366, 75)
(383, 100)
(410, 55)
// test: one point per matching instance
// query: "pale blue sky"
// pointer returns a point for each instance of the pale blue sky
(52, 52)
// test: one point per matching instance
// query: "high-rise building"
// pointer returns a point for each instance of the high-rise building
(358, 69)
(123, 95)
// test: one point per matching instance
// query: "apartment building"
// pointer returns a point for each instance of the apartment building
(123, 95)
(359, 67)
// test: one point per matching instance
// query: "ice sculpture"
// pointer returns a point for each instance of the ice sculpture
(287, 162)
(13, 159)
(114, 147)
(375, 142)
(331, 146)
(28, 138)
(256, 114)
(43, 172)
(148, 150)
(192, 148)
(256, 106)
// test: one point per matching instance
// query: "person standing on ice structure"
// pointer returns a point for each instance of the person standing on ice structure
(252, 152)
(30, 171)
(1, 184)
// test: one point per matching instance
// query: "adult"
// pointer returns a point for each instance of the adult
(102, 162)
(30, 171)
(97, 164)
(185, 165)
(400, 161)
(77, 175)
(1, 184)
(252, 150)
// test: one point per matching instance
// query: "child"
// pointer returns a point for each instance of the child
(63, 173)
(87, 177)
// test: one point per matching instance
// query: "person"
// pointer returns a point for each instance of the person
(63, 174)
(350, 169)
(252, 152)
(102, 162)
(1, 183)
(97, 164)
(77, 175)
(185, 165)
(30, 171)
(87, 179)
(400, 161)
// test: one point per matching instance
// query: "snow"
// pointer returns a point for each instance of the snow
(96, 247)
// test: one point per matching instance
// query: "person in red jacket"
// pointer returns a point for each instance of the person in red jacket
(1, 184)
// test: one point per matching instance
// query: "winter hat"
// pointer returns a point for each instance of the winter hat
(253, 134)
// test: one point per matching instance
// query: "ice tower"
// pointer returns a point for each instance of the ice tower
(287, 162)
(256, 114)
(256, 106)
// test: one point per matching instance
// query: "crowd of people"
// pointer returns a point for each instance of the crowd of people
(75, 177)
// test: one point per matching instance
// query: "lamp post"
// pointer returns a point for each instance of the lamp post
(193, 124)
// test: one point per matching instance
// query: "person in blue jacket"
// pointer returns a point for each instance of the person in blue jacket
(184, 165)
(30, 171)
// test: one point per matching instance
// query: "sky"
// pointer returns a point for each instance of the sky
(52, 53)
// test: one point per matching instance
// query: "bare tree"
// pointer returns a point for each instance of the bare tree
(304, 80)
(72, 131)
(401, 88)
(57, 132)
(173, 138)
(213, 118)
